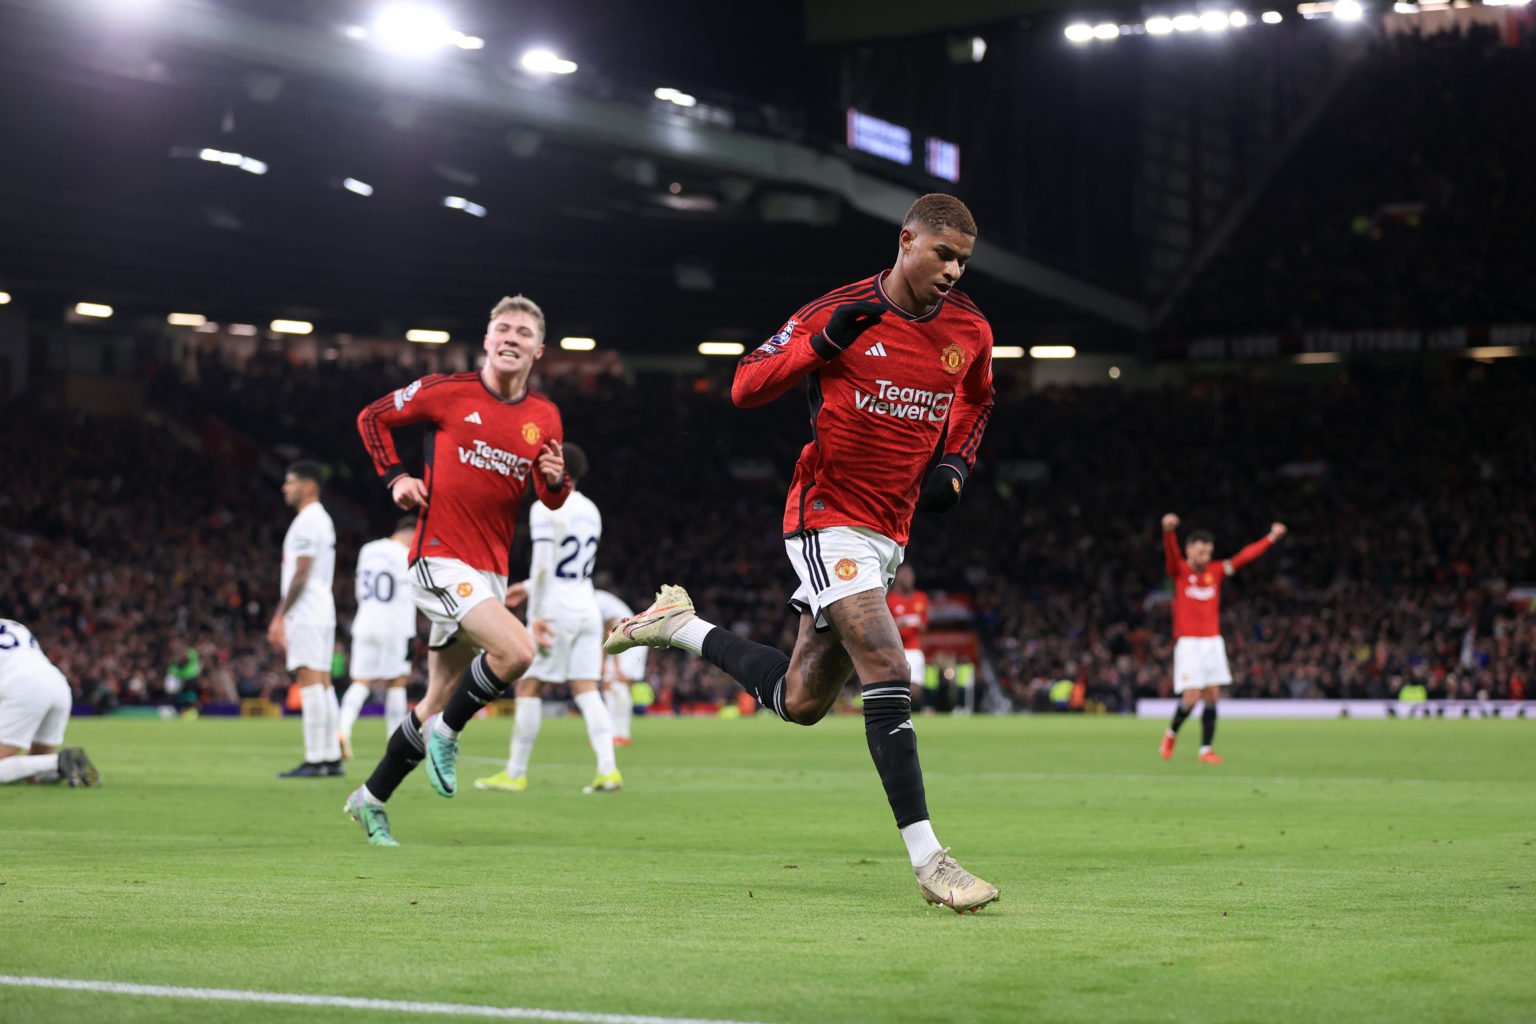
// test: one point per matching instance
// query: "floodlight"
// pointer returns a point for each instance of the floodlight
(546, 62)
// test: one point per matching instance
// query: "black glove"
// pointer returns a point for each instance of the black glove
(844, 326)
(941, 491)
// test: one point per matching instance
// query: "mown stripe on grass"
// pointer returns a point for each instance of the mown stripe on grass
(235, 995)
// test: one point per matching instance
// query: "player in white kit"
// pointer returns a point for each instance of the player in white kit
(620, 671)
(382, 630)
(567, 627)
(34, 709)
(304, 627)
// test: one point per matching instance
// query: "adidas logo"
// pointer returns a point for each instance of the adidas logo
(877, 349)
(473, 417)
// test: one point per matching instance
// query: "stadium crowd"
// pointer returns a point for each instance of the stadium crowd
(1409, 498)
(1406, 205)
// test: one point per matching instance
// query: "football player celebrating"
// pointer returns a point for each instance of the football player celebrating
(1199, 653)
(491, 434)
(898, 366)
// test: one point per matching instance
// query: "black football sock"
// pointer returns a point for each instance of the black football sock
(403, 753)
(478, 686)
(1179, 714)
(759, 669)
(1208, 724)
(893, 746)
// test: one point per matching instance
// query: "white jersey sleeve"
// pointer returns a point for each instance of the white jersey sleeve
(20, 653)
(385, 607)
(311, 535)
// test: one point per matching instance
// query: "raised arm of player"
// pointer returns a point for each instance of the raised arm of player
(410, 404)
(1254, 550)
(1174, 559)
(810, 340)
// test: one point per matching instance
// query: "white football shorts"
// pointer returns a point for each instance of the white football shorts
(838, 562)
(576, 652)
(380, 656)
(445, 589)
(310, 646)
(1198, 662)
(34, 706)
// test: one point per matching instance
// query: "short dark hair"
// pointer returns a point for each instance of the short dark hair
(576, 464)
(1205, 535)
(406, 523)
(937, 211)
(308, 469)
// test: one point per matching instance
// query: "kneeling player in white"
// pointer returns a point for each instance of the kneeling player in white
(567, 626)
(620, 671)
(34, 709)
(382, 630)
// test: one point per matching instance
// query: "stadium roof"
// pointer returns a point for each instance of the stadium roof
(210, 156)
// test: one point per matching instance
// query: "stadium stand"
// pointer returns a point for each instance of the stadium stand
(1409, 497)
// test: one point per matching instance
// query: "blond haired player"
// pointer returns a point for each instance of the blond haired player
(491, 436)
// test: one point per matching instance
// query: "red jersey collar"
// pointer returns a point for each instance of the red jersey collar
(527, 390)
(910, 318)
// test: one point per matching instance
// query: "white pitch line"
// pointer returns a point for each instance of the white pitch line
(235, 995)
(1157, 778)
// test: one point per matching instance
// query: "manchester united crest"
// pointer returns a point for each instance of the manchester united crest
(952, 358)
(465, 589)
(531, 433)
(846, 568)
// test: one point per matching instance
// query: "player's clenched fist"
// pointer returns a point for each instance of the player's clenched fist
(409, 492)
(1276, 531)
(850, 320)
(552, 462)
(1170, 523)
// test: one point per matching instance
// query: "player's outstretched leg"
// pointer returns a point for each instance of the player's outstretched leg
(866, 631)
(1180, 713)
(1208, 728)
(507, 651)
(351, 708)
(394, 708)
(476, 689)
(371, 815)
(671, 621)
(600, 735)
(527, 721)
(621, 709)
(76, 768)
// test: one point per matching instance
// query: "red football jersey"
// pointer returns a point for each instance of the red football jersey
(481, 450)
(911, 614)
(878, 410)
(1197, 595)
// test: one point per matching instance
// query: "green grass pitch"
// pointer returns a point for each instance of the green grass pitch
(750, 871)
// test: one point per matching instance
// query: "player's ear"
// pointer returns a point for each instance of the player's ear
(907, 239)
